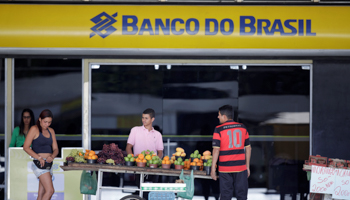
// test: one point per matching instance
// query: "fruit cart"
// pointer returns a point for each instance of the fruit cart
(101, 168)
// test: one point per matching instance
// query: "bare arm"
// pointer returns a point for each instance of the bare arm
(129, 148)
(216, 152)
(54, 147)
(33, 131)
(248, 153)
(160, 153)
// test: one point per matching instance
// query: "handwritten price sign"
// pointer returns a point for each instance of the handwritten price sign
(322, 180)
(326, 180)
(342, 186)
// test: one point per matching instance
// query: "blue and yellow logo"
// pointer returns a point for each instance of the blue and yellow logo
(103, 25)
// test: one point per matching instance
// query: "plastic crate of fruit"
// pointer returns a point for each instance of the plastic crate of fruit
(317, 160)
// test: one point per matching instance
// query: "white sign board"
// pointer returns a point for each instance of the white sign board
(327, 180)
(322, 180)
(342, 184)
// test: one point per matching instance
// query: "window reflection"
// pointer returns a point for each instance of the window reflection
(54, 84)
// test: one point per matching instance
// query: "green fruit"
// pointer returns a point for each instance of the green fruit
(179, 159)
(192, 155)
(186, 159)
(196, 152)
(205, 164)
(155, 162)
(199, 157)
(155, 158)
(126, 159)
(176, 162)
(129, 156)
(182, 163)
(132, 159)
(150, 162)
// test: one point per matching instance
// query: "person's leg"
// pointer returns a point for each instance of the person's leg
(241, 185)
(226, 186)
(46, 182)
(41, 191)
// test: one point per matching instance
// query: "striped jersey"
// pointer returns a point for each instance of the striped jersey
(231, 137)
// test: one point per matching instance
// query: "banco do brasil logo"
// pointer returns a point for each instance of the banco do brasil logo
(103, 25)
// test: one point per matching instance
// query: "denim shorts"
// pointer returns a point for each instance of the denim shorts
(39, 172)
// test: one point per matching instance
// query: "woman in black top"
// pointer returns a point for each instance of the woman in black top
(44, 150)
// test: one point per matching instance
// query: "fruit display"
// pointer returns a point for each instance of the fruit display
(187, 164)
(90, 155)
(195, 154)
(208, 163)
(140, 158)
(179, 161)
(206, 155)
(129, 158)
(197, 162)
(180, 152)
(110, 161)
(111, 151)
(77, 155)
(166, 162)
(154, 162)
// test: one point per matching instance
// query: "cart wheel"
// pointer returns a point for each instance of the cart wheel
(132, 197)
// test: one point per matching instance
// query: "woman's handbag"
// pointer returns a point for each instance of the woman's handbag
(88, 183)
(46, 166)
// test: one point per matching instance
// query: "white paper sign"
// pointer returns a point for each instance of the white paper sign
(342, 184)
(322, 180)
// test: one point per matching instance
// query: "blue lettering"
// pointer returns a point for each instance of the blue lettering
(173, 26)
(127, 24)
(308, 28)
(301, 27)
(289, 26)
(146, 26)
(277, 27)
(188, 26)
(230, 26)
(244, 25)
(165, 28)
(261, 27)
(207, 26)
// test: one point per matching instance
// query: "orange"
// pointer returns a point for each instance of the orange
(167, 162)
(144, 161)
(163, 162)
(195, 160)
(141, 156)
(92, 152)
(89, 157)
(166, 158)
(94, 157)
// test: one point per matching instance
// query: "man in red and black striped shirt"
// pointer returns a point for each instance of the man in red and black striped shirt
(232, 148)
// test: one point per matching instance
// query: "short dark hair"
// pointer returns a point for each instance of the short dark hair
(226, 110)
(150, 111)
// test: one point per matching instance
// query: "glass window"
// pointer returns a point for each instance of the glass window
(2, 128)
(54, 84)
(271, 101)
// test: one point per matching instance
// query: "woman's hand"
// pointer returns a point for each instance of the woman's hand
(49, 159)
(42, 161)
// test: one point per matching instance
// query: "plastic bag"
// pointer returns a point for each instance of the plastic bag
(88, 183)
(189, 180)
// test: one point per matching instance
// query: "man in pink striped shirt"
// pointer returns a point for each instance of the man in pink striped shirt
(142, 138)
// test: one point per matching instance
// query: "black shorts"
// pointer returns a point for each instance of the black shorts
(233, 181)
